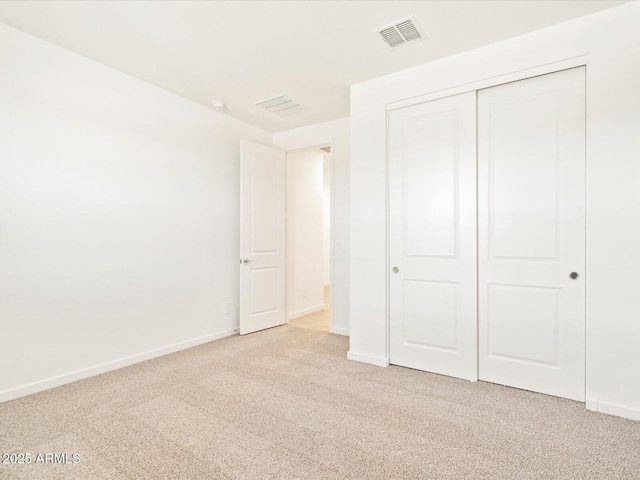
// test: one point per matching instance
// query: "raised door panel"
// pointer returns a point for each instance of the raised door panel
(264, 290)
(523, 323)
(523, 178)
(265, 192)
(430, 314)
(430, 187)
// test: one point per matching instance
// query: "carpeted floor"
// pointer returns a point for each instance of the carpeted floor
(285, 403)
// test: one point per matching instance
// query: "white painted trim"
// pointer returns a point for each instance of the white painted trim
(358, 357)
(591, 404)
(579, 61)
(387, 244)
(332, 230)
(109, 366)
(587, 233)
(613, 409)
(307, 311)
(340, 331)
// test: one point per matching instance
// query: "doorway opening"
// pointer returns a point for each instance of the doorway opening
(308, 250)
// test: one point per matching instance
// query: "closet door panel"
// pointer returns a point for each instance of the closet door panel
(432, 186)
(531, 191)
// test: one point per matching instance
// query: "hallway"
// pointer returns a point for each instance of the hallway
(317, 320)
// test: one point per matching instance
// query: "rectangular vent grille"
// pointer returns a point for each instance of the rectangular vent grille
(281, 105)
(392, 37)
(401, 32)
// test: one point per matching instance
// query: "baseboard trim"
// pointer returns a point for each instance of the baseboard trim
(109, 366)
(340, 331)
(307, 311)
(613, 409)
(591, 404)
(359, 357)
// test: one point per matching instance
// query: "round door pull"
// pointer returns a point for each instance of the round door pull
(573, 275)
(395, 270)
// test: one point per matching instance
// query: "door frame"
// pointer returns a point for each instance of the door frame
(332, 206)
(514, 76)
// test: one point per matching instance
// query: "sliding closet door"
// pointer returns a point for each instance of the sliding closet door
(531, 194)
(432, 205)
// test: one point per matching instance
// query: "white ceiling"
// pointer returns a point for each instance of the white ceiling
(242, 52)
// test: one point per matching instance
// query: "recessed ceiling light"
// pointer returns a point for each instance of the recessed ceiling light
(219, 104)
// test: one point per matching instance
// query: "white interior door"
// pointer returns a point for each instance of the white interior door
(262, 237)
(531, 191)
(432, 206)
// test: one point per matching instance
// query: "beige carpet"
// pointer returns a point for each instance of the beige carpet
(284, 403)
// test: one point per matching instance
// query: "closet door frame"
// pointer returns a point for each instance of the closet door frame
(578, 61)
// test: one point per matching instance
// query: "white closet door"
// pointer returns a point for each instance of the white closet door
(531, 191)
(432, 185)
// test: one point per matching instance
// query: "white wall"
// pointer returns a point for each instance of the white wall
(119, 207)
(611, 39)
(304, 232)
(326, 219)
(335, 132)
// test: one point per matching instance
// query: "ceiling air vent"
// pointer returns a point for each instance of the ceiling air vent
(281, 105)
(401, 32)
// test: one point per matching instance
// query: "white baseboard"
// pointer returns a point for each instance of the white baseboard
(591, 404)
(613, 409)
(307, 311)
(107, 367)
(358, 357)
(340, 331)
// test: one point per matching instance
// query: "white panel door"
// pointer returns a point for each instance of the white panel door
(262, 237)
(531, 207)
(432, 206)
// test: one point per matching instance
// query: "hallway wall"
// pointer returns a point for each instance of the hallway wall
(305, 242)
(337, 133)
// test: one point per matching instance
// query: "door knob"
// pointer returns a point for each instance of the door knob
(395, 270)
(573, 275)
